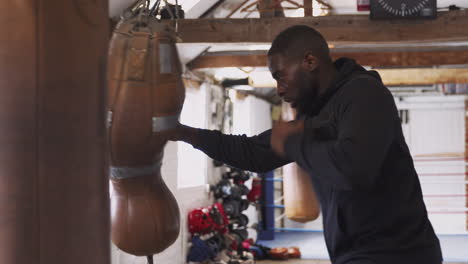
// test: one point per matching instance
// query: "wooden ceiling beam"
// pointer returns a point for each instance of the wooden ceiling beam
(423, 76)
(391, 77)
(375, 59)
(448, 26)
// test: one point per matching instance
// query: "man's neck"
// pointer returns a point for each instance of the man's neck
(329, 73)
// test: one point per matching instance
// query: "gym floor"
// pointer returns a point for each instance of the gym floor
(311, 261)
(300, 261)
(313, 249)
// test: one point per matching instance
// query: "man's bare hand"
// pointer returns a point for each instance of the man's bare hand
(281, 131)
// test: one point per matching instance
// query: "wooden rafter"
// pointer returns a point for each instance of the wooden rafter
(375, 58)
(448, 26)
(392, 77)
(308, 8)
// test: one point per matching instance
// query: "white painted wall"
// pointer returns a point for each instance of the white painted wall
(437, 127)
(251, 116)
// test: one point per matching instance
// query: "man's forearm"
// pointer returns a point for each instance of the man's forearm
(247, 153)
(186, 134)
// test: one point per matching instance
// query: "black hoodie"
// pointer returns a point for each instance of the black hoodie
(354, 150)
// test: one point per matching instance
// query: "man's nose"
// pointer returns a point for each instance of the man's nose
(280, 89)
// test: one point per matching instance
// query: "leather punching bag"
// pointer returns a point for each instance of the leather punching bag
(300, 201)
(146, 94)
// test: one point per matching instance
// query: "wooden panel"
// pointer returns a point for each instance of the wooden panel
(343, 28)
(73, 183)
(375, 59)
(19, 231)
(54, 202)
(220, 61)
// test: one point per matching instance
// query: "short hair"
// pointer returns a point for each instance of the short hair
(294, 41)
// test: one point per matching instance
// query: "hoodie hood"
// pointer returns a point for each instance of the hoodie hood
(347, 70)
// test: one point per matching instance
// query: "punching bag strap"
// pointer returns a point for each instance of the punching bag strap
(130, 172)
(161, 123)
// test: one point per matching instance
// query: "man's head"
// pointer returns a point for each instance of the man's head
(295, 59)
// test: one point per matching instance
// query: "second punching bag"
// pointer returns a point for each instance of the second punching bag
(300, 201)
(146, 94)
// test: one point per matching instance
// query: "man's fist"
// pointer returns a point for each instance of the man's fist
(281, 131)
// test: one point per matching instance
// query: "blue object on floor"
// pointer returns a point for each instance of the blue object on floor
(258, 252)
(199, 251)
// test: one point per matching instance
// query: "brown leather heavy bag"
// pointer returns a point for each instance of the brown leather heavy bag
(146, 94)
(300, 201)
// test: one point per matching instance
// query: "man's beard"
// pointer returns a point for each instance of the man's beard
(307, 99)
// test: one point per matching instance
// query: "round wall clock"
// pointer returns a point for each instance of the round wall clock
(388, 9)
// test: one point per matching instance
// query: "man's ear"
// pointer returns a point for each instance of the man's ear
(310, 61)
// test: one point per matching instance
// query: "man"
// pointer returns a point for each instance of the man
(348, 137)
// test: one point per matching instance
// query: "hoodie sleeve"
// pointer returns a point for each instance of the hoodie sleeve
(247, 153)
(365, 128)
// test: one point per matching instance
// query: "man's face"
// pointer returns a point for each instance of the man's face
(296, 83)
